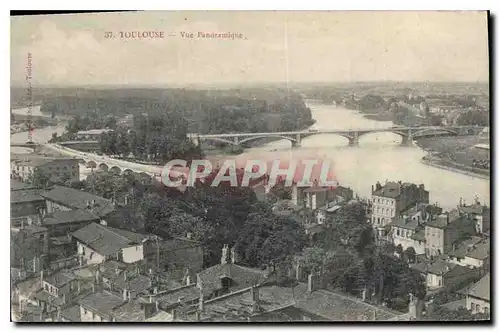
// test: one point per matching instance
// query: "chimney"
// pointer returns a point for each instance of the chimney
(174, 315)
(189, 235)
(197, 316)
(128, 295)
(224, 257)
(255, 298)
(234, 256)
(155, 290)
(311, 283)
(64, 298)
(41, 278)
(93, 203)
(126, 199)
(104, 222)
(125, 275)
(201, 302)
(88, 205)
(125, 295)
(188, 280)
(58, 318)
(93, 287)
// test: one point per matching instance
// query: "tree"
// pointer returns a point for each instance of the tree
(462, 314)
(39, 178)
(410, 254)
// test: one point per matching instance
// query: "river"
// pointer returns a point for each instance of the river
(379, 157)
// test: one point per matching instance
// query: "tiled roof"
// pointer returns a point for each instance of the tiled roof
(480, 251)
(37, 160)
(18, 185)
(132, 311)
(60, 278)
(78, 199)
(481, 289)
(438, 267)
(25, 195)
(389, 190)
(419, 235)
(137, 285)
(106, 240)
(242, 277)
(337, 307)
(473, 209)
(181, 294)
(72, 313)
(405, 223)
(102, 302)
(464, 247)
(61, 217)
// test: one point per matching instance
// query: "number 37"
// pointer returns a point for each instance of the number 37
(108, 34)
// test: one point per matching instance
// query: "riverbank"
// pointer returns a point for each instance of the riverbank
(457, 168)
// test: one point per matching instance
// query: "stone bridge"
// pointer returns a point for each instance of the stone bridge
(408, 134)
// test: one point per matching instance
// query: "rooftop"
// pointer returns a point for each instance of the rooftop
(102, 302)
(407, 223)
(392, 189)
(181, 294)
(78, 199)
(25, 195)
(464, 247)
(72, 313)
(35, 160)
(93, 131)
(60, 278)
(481, 289)
(18, 185)
(107, 240)
(439, 267)
(241, 276)
(61, 217)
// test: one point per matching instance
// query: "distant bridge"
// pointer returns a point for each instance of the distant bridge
(407, 133)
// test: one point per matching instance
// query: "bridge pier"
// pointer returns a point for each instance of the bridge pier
(298, 141)
(407, 141)
(354, 140)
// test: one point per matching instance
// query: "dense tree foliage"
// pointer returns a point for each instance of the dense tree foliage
(461, 314)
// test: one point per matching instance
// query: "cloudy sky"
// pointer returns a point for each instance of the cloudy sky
(298, 46)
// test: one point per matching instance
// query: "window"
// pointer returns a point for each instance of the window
(487, 310)
(472, 306)
(397, 232)
(478, 308)
(439, 282)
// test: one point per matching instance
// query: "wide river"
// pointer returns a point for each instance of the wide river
(379, 157)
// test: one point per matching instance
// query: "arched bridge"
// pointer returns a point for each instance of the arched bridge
(408, 134)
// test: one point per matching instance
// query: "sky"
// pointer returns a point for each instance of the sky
(277, 47)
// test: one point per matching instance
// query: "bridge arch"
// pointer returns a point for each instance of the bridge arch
(217, 139)
(103, 167)
(128, 172)
(434, 131)
(91, 164)
(115, 170)
(291, 139)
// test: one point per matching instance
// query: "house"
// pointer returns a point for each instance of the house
(61, 198)
(408, 229)
(228, 276)
(92, 134)
(29, 249)
(97, 243)
(60, 224)
(57, 169)
(480, 214)
(271, 302)
(444, 231)
(473, 252)
(390, 200)
(439, 273)
(478, 296)
(104, 306)
(26, 204)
